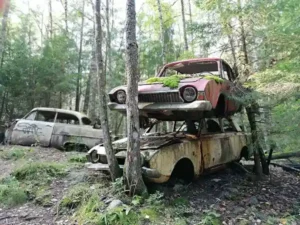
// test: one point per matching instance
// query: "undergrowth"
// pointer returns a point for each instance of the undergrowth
(11, 193)
(13, 154)
(39, 172)
(78, 159)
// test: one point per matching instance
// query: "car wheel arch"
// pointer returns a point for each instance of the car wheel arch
(184, 169)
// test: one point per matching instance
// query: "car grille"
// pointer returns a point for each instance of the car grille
(160, 97)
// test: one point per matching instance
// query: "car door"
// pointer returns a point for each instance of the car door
(36, 127)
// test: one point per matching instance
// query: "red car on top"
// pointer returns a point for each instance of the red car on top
(188, 89)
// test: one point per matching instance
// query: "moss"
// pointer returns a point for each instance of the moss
(11, 193)
(218, 79)
(170, 81)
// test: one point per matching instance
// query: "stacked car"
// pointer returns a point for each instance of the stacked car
(199, 94)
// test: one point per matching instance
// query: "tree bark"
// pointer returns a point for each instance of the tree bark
(93, 71)
(133, 170)
(114, 168)
(186, 47)
(162, 33)
(50, 18)
(79, 68)
(3, 30)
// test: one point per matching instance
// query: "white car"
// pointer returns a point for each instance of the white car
(59, 128)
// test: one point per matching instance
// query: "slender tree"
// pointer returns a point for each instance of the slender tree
(111, 158)
(162, 32)
(50, 18)
(186, 47)
(133, 171)
(79, 67)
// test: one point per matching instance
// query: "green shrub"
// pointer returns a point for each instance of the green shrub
(39, 172)
(119, 216)
(11, 194)
(169, 81)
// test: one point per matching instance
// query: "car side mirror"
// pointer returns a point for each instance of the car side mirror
(97, 124)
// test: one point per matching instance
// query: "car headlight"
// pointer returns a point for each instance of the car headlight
(94, 156)
(121, 97)
(189, 94)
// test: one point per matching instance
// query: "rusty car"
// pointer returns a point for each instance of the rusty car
(59, 128)
(181, 153)
(204, 89)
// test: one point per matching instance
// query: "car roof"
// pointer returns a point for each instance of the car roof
(75, 113)
(193, 60)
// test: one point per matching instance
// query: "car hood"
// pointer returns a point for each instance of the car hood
(198, 82)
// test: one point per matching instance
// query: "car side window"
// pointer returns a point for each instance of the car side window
(31, 116)
(67, 118)
(86, 121)
(45, 116)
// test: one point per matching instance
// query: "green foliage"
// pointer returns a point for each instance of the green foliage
(118, 185)
(211, 218)
(169, 81)
(13, 154)
(11, 193)
(78, 159)
(83, 200)
(39, 172)
(119, 216)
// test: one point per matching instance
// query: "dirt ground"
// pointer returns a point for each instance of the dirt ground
(232, 197)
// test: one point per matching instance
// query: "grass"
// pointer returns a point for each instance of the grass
(218, 79)
(13, 154)
(11, 193)
(39, 172)
(78, 159)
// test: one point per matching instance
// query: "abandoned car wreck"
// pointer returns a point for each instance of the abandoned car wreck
(59, 128)
(180, 154)
(194, 88)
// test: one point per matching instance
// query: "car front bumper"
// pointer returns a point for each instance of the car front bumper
(200, 105)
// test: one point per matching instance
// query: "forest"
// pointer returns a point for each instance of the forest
(69, 54)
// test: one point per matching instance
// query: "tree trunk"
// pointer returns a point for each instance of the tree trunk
(191, 22)
(114, 168)
(260, 160)
(133, 169)
(79, 68)
(66, 15)
(186, 47)
(93, 71)
(162, 33)
(3, 30)
(50, 19)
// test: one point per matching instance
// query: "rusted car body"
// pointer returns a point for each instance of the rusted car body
(206, 91)
(179, 154)
(59, 128)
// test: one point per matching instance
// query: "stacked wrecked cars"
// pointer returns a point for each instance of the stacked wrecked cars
(197, 97)
(59, 128)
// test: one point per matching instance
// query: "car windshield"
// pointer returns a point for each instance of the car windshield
(193, 69)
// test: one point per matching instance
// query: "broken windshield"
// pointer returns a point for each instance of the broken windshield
(193, 69)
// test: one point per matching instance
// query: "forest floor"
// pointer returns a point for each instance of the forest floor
(48, 186)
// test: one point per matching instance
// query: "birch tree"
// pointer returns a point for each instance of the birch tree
(133, 171)
(186, 47)
(111, 158)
